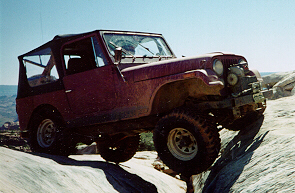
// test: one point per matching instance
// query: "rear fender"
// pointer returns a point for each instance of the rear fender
(45, 108)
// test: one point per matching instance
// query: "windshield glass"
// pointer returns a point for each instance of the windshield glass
(137, 45)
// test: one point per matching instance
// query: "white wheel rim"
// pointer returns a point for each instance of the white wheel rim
(46, 133)
(182, 144)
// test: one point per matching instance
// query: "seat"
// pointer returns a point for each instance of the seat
(76, 65)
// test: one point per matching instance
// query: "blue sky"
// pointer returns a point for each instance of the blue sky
(261, 30)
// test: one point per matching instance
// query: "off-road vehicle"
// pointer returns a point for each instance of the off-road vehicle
(110, 86)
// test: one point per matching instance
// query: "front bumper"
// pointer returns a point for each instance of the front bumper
(235, 102)
(254, 98)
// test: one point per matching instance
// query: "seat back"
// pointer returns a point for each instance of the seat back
(76, 65)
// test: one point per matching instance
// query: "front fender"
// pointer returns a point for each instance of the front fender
(257, 74)
(177, 89)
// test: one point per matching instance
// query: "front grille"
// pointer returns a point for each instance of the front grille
(229, 62)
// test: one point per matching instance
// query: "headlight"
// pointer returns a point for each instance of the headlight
(244, 64)
(242, 61)
(218, 67)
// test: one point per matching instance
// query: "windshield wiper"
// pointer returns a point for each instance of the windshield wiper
(146, 48)
(125, 51)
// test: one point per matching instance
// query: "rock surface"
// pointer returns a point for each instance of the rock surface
(259, 159)
(27, 172)
(282, 83)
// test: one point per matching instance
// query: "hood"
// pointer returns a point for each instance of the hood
(167, 67)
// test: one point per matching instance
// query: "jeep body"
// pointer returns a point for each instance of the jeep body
(110, 83)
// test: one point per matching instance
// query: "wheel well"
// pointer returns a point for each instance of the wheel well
(42, 109)
(174, 94)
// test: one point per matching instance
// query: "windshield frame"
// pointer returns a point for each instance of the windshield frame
(136, 40)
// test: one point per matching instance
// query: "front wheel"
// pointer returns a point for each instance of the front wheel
(186, 143)
(119, 148)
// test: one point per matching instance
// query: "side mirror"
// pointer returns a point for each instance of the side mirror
(118, 55)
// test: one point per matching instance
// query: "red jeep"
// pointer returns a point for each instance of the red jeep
(110, 86)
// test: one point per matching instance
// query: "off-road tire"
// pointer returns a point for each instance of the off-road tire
(47, 136)
(247, 120)
(119, 149)
(187, 143)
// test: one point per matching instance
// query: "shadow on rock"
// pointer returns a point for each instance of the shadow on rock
(120, 179)
(236, 155)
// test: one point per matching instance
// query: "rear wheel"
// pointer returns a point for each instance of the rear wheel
(186, 143)
(46, 134)
(119, 148)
